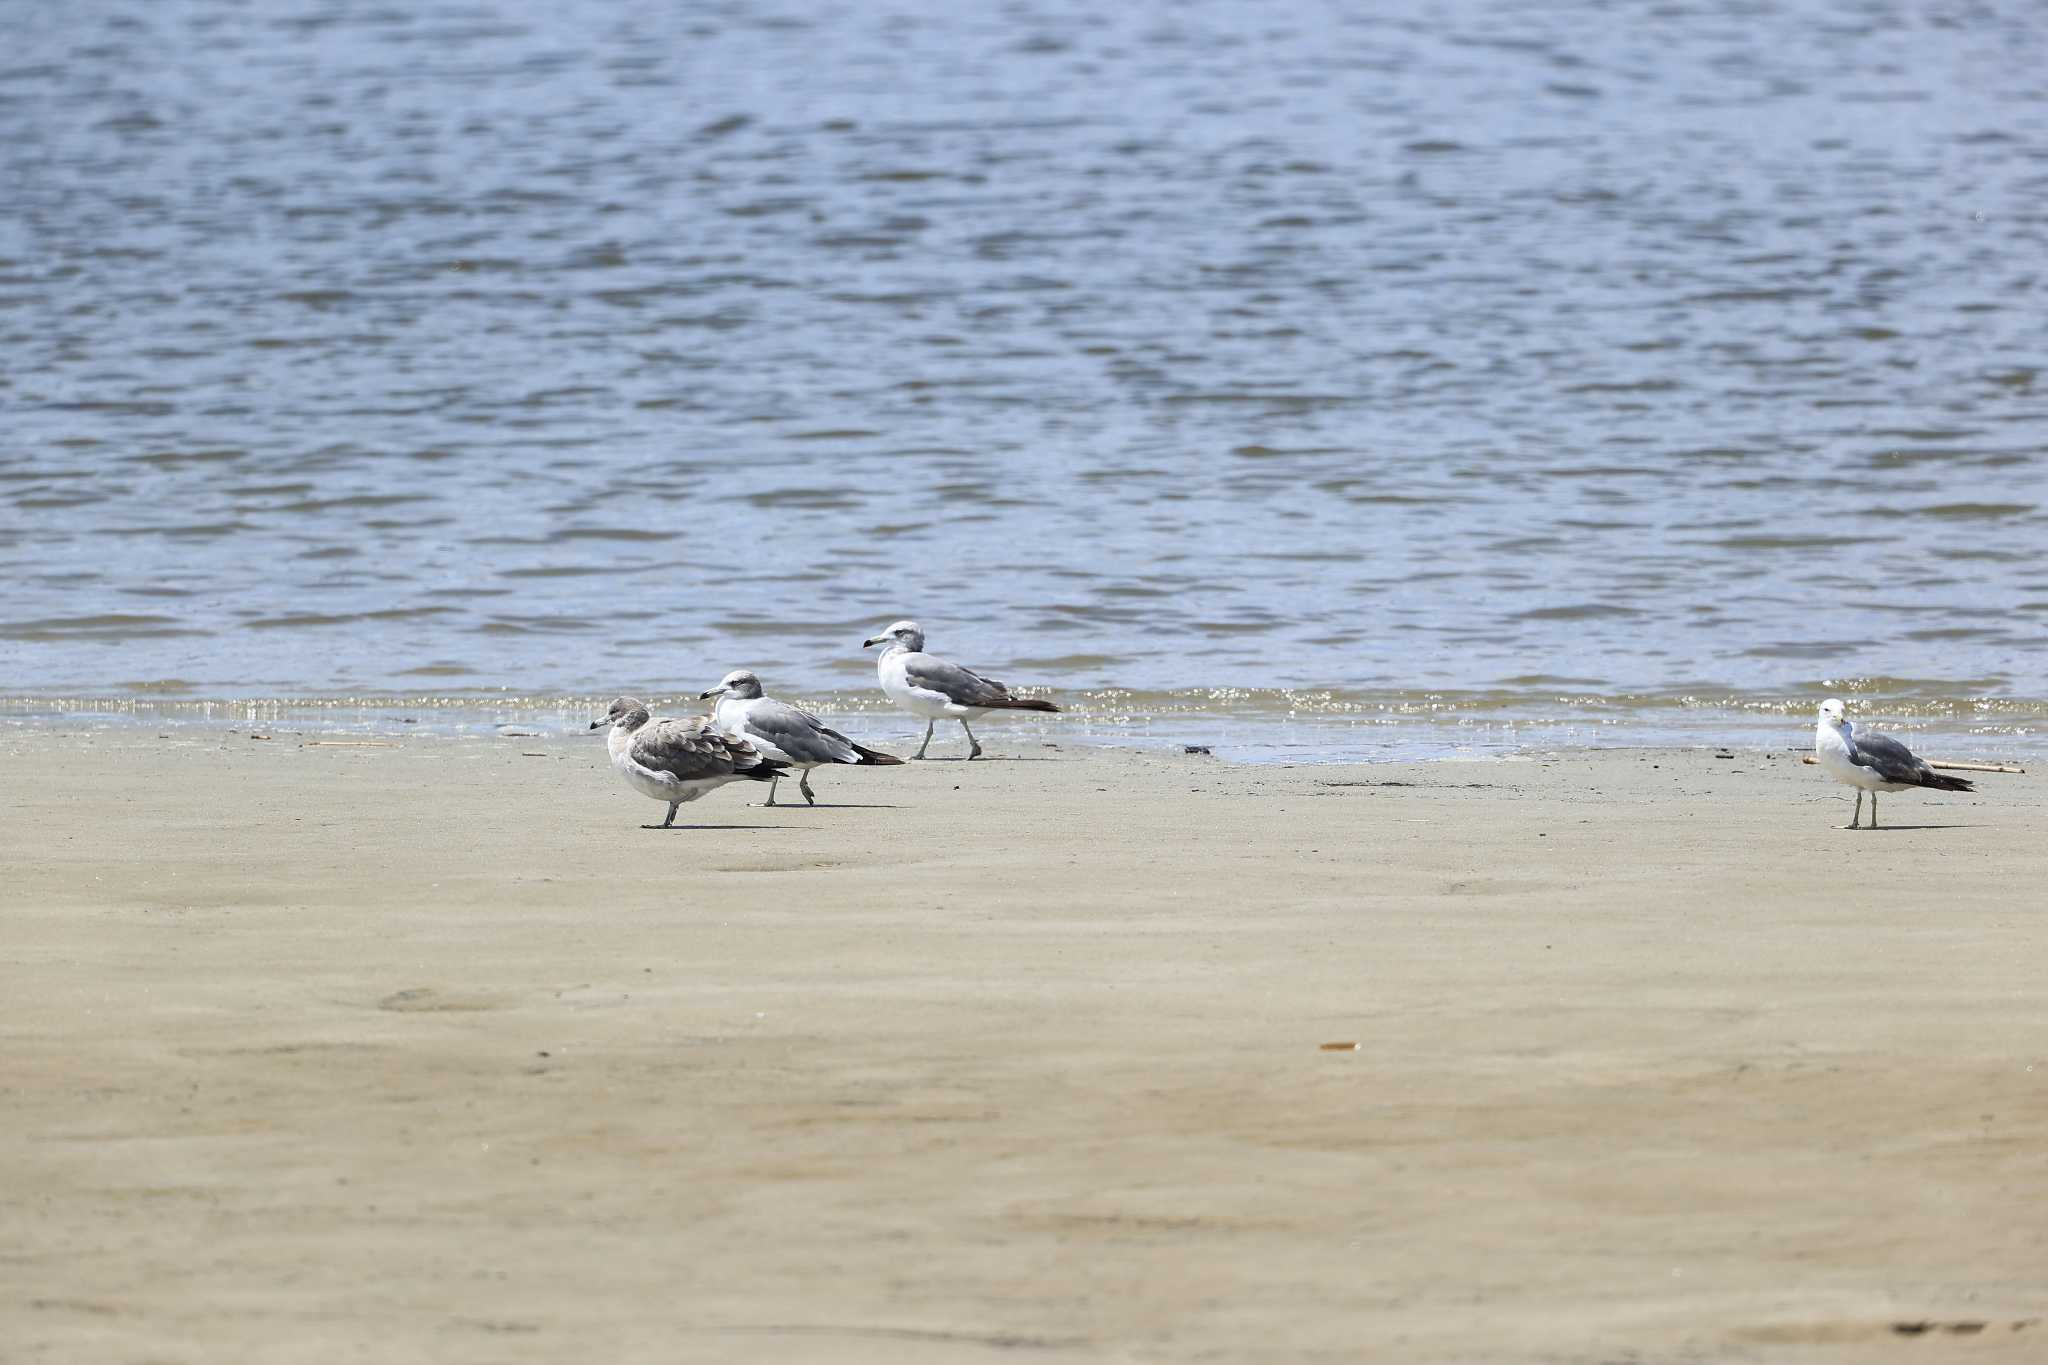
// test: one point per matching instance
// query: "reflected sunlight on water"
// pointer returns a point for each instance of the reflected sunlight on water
(1564, 368)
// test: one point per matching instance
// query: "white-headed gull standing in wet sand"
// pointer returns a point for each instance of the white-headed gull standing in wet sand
(926, 685)
(1871, 762)
(783, 732)
(678, 760)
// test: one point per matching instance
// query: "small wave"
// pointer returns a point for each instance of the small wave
(1583, 611)
(111, 626)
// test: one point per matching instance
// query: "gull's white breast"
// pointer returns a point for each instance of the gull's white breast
(730, 715)
(892, 669)
(1831, 747)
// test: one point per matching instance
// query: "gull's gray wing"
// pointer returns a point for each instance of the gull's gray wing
(691, 750)
(960, 685)
(1888, 758)
(798, 733)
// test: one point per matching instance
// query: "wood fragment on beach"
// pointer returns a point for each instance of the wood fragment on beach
(1339, 1047)
(1953, 766)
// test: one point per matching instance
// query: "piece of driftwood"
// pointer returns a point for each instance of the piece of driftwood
(1951, 767)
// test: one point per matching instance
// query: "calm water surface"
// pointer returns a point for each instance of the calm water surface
(1293, 376)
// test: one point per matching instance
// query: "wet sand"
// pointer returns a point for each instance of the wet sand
(432, 1052)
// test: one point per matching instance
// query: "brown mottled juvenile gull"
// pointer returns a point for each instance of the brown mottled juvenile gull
(926, 685)
(1871, 762)
(782, 732)
(677, 760)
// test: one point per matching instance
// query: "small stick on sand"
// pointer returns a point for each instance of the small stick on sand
(1948, 767)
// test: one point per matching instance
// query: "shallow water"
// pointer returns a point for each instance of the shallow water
(1562, 363)
(1287, 726)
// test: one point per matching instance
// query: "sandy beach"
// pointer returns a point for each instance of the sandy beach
(431, 1052)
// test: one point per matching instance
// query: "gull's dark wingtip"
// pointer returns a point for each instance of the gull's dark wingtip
(874, 756)
(1019, 704)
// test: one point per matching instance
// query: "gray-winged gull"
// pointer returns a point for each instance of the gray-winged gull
(926, 685)
(678, 760)
(1871, 762)
(783, 732)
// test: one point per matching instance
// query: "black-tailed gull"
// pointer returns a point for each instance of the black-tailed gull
(678, 760)
(926, 685)
(783, 732)
(1871, 762)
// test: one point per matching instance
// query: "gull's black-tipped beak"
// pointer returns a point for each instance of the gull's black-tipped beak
(714, 692)
(870, 644)
(600, 722)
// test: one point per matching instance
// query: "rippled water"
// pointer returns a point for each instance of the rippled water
(1653, 359)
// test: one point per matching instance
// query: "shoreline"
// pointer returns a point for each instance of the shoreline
(433, 1052)
(1267, 729)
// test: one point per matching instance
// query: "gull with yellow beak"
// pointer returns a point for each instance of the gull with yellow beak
(1871, 762)
(784, 733)
(926, 685)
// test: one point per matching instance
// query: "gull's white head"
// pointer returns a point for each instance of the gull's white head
(904, 633)
(739, 683)
(1831, 712)
(627, 712)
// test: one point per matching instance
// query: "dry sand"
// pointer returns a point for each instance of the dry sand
(432, 1053)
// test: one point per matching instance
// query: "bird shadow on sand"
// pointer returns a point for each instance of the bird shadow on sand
(681, 829)
(985, 758)
(1887, 829)
(829, 805)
